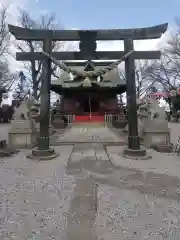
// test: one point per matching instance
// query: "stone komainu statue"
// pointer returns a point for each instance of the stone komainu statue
(23, 112)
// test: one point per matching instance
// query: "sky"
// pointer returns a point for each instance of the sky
(83, 14)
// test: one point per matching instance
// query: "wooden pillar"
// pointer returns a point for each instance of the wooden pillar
(43, 141)
(61, 104)
(133, 139)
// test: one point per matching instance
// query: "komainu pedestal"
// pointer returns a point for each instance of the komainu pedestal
(121, 121)
(22, 134)
(155, 130)
(35, 114)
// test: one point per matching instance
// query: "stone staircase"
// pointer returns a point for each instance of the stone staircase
(89, 124)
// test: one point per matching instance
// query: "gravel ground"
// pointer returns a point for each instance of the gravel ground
(34, 198)
(129, 215)
(37, 198)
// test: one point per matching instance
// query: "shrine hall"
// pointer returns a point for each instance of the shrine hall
(89, 101)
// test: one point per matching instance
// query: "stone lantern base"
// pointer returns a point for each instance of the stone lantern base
(136, 154)
(43, 155)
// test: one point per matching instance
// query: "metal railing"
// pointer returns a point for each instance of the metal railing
(70, 118)
(108, 118)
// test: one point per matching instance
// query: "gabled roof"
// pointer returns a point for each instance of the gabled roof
(89, 66)
(111, 79)
(79, 84)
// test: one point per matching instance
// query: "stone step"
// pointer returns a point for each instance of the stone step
(89, 124)
(86, 157)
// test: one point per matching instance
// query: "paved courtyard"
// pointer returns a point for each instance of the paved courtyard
(90, 192)
(87, 133)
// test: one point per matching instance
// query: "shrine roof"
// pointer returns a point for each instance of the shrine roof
(74, 84)
(110, 80)
(70, 89)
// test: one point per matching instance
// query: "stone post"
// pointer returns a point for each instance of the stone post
(133, 148)
(43, 141)
(43, 152)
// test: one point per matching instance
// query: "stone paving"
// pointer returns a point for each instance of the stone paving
(84, 133)
(90, 192)
(4, 128)
(89, 156)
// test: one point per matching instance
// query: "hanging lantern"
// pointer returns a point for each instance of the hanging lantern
(173, 93)
(5, 96)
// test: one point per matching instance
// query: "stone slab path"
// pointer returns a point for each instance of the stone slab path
(90, 157)
(84, 133)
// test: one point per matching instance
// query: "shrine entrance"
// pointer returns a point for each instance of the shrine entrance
(90, 105)
(87, 46)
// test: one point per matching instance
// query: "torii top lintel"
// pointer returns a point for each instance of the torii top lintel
(74, 35)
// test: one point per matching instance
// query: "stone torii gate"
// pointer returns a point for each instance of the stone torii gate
(88, 51)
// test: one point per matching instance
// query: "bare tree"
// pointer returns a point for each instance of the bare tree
(173, 46)
(165, 72)
(170, 61)
(6, 77)
(34, 68)
(4, 33)
(21, 89)
(144, 82)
